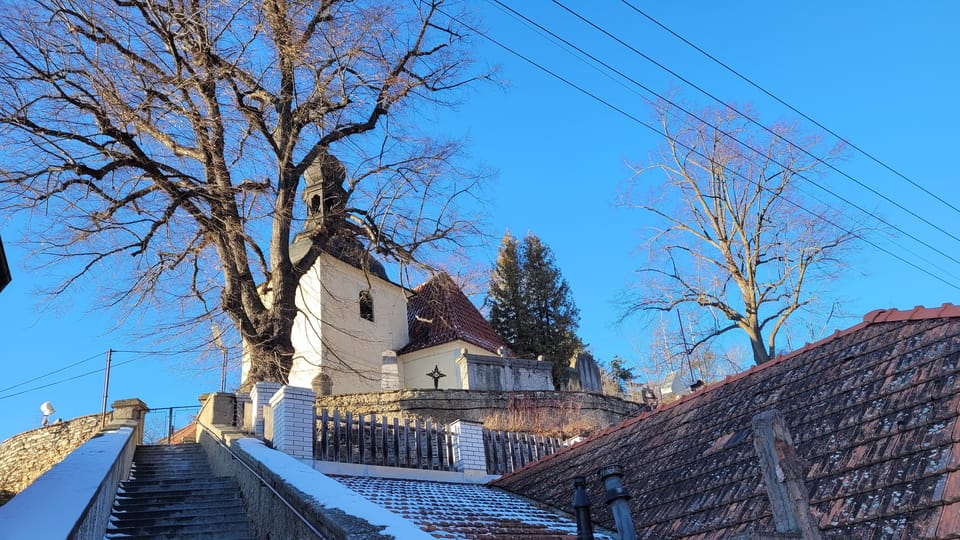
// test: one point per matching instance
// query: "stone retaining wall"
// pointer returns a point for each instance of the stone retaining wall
(449, 405)
(26, 456)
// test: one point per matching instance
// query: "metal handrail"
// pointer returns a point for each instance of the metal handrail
(262, 480)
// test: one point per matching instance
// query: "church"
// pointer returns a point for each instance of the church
(356, 331)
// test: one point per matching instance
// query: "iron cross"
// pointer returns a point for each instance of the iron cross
(435, 374)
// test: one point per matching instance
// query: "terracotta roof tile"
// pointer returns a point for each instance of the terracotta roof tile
(438, 312)
(447, 510)
(873, 411)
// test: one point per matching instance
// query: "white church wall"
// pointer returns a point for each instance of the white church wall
(415, 365)
(347, 346)
(306, 334)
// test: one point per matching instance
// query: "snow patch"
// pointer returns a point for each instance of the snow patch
(55, 502)
(328, 492)
(452, 508)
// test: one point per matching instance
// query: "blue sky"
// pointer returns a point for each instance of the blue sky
(884, 75)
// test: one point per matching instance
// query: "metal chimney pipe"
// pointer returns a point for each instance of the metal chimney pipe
(581, 509)
(616, 497)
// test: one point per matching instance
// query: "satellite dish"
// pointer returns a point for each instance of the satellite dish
(47, 409)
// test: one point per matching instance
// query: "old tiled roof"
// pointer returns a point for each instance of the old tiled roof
(438, 312)
(187, 433)
(873, 413)
(448, 510)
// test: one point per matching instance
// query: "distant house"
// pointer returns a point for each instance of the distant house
(873, 413)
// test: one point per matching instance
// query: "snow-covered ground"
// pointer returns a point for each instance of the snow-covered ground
(55, 502)
(330, 493)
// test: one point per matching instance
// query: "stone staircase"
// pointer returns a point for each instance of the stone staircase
(172, 493)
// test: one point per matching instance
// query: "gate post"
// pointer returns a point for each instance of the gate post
(468, 452)
(130, 409)
(261, 394)
(294, 421)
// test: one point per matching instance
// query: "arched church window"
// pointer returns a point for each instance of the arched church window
(315, 203)
(366, 305)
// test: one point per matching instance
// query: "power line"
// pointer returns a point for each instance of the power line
(732, 137)
(61, 381)
(792, 108)
(655, 130)
(54, 372)
(748, 118)
(560, 43)
(77, 363)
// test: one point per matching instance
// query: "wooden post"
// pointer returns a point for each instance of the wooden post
(784, 476)
(361, 443)
(348, 435)
(428, 431)
(450, 451)
(324, 453)
(417, 435)
(441, 446)
(406, 443)
(396, 441)
(336, 435)
(373, 439)
(507, 459)
(386, 442)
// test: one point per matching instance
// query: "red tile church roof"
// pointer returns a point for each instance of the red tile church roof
(438, 312)
(873, 411)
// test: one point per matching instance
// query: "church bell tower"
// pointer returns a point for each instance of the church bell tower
(323, 192)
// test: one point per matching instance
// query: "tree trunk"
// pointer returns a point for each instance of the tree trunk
(760, 354)
(271, 356)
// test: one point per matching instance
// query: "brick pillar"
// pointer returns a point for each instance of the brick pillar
(294, 420)
(468, 453)
(244, 401)
(260, 395)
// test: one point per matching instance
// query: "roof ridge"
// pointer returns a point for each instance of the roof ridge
(947, 310)
(918, 313)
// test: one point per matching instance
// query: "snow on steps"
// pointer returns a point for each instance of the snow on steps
(172, 493)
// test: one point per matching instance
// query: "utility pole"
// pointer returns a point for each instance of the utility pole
(223, 372)
(218, 339)
(106, 389)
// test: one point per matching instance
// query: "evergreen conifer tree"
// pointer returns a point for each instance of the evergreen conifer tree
(531, 306)
(507, 309)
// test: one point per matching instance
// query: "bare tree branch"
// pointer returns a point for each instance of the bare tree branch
(734, 219)
(178, 134)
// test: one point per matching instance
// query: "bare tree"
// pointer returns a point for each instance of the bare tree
(164, 142)
(669, 353)
(741, 240)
